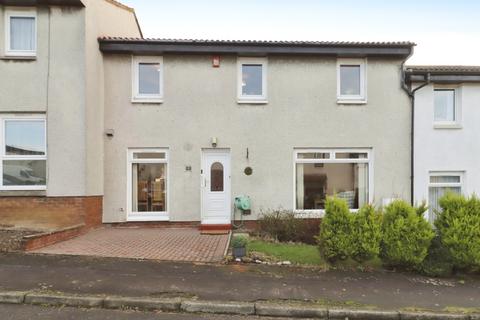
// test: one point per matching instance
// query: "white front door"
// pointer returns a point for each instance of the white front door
(215, 185)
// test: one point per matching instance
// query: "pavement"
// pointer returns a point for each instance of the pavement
(28, 312)
(149, 278)
(173, 244)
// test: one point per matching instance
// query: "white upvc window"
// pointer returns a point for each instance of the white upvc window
(147, 79)
(320, 173)
(446, 107)
(252, 80)
(21, 32)
(23, 155)
(351, 81)
(147, 189)
(439, 183)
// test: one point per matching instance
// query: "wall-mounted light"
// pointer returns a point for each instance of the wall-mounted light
(109, 133)
(214, 142)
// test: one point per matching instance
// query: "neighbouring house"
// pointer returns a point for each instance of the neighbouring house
(51, 109)
(192, 124)
(446, 131)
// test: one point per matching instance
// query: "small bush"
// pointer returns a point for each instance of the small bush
(285, 226)
(406, 235)
(239, 241)
(335, 239)
(438, 262)
(458, 224)
(367, 233)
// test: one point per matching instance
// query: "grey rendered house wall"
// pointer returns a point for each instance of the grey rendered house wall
(200, 102)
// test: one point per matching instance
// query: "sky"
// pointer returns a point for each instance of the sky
(445, 31)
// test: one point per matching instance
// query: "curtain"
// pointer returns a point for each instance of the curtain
(434, 194)
(362, 184)
(300, 186)
(22, 33)
(134, 187)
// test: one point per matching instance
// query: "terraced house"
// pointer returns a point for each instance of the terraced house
(99, 124)
(447, 101)
(192, 125)
(51, 109)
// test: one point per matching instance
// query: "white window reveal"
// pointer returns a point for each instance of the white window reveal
(351, 81)
(147, 79)
(439, 184)
(320, 173)
(23, 164)
(147, 185)
(446, 110)
(252, 80)
(20, 32)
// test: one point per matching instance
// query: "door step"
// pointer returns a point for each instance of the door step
(215, 228)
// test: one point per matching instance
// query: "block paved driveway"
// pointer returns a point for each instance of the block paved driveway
(172, 244)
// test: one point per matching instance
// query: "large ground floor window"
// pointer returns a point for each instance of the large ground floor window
(320, 173)
(440, 183)
(23, 154)
(148, 184)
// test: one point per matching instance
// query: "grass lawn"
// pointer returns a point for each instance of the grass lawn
(295, 253)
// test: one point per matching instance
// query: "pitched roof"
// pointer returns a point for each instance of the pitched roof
(443, 74)
(152, 46)
(74, 3)
(265, 42)
(445, 69)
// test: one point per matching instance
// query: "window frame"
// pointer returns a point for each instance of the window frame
(332, 159)
(138, 97)
(456, 123)
(5, 157)
(430, 184)
(252, 99)
(149, 215)
(352, 99)
(27, 12)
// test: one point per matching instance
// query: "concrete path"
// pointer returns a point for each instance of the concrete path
(86, 275)
(173, 244)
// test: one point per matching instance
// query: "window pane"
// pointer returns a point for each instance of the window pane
(149, 191)
(313, 155)
(445, 179)
(24, 172)
(149, 155)
(149, 78)
(22, 33)
(24, 138)
(216, 177)
(252, 79)
(434, 195)
(351, 155)
(350, 80)
(314, 182)
(444, 109)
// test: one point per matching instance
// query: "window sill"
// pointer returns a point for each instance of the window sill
(18, 57)
(22, 193)
(447, 126)
(147, 100)
(351, 102)
(245, 101)
(144, 218)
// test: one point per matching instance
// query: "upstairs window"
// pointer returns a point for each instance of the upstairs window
(445, 106)
(23, 156)
(252, 80)
(351, 81)
(20, 32)
(147, 79)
